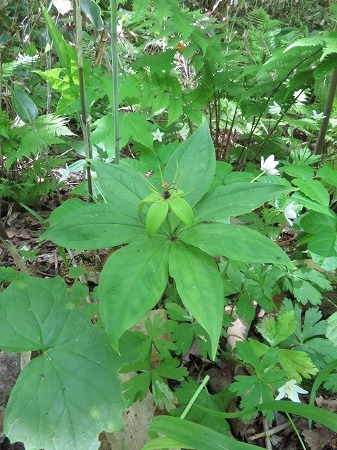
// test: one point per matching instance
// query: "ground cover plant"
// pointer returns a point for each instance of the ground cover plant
(190, 154)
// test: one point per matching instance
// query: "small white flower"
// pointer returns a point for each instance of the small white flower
(317, 116)
(268, 165)
(300, 96)
(63, 6)
(290, 212)
(275, 109)
(184, 132)
(157, 135)
(290, 390)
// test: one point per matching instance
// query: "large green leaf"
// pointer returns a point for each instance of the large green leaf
(194, 436)
(136, 126)
(93, 12)
(64, 51)
(122, 185)
(200, 288)
(237, 242)
(183, 171)
(235, 199)
(310, 204)
(131, 283)
(24, 106)
(314, 190)
(95, 226)
(66, 396)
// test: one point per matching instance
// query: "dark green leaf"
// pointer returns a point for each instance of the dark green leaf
(217, 239)
(93, 12)
(95, 226)
(236, 199)
(24, 106)
(73, 385)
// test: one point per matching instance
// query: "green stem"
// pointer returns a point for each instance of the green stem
(256, 178)
(114, 59)
(296, 431)
(327, 112)
(195, 396)
(85, 118)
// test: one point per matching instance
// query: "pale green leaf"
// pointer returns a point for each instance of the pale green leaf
(331, 329)
(200, 288)
(297, 197)
(131, 283)
(277, 330)
(297, 363)
(182, 210)
(155, 216)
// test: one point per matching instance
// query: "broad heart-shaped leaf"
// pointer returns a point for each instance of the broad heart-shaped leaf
(237, 242)
(122, 185)
(66, 396)
(24, 106)
(95, 226)
(131, 283)
(200, 288)
(191, 168)
(235, 199)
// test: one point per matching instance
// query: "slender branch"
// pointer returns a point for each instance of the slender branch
(195, 396)
(114, 59)
(85, 118)
(327, 112)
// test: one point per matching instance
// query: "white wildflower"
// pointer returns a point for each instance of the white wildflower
(268, 165)
(157, 135)
(62, 6)
(64, 174)
(275, 109)
(317, 116)
(184, 132)
(290, 390)
(290, 212)
(300, 96)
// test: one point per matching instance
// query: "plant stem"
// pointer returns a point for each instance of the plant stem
(195, 396)
(296, 431)
(85, 118)
(114, 59)
(327, 112)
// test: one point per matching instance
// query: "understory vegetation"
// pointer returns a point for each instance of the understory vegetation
(177, 161)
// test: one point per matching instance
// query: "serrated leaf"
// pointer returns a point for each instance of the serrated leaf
(328, 175)
(193, 179)
(24, 106)
(312, 41)
(297, 364)
(310, 204)
(73, 385)
(182, 210)
(199, 286)
(125, 298)
(136, 126)
(250, 246)
(236, 199)
(95, 226)
(155, 216)
(331, 329)
(315, 190)
(276, 331)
